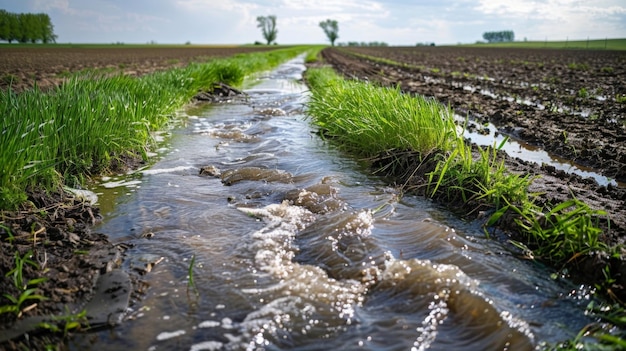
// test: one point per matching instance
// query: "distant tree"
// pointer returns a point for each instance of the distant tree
(26, 27)
(46, 29)
(331, 29)
(9, 26)
(499, 37)
(268, 27)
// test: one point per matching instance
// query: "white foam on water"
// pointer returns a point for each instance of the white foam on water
(302, 289)
(169, 335)
(209, 324)
(85, 195)
(166, 170)
(206, 345)
(121, 183)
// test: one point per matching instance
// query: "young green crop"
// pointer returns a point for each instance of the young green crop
(83, 126)
(27, 289)
(367, 119)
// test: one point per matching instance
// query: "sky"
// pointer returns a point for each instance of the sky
(395, 22)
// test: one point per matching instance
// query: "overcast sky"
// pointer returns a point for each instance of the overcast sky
(396, 22)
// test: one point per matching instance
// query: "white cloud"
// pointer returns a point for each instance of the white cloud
(402, 22)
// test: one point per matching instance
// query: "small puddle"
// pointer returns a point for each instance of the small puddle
(489, 136)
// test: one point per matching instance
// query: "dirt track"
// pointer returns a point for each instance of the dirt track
(561, 101)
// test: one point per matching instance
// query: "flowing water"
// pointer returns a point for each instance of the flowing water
(296, 247)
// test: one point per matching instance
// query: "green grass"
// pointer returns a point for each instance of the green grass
(312, 54)
(366, 119)
(27, 289)
(80, 128)
(595, 44)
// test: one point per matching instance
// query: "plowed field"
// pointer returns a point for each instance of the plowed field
(571, 104)
(22, 67)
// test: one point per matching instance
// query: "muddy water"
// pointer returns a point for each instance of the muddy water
(489, 135)
(297, 248)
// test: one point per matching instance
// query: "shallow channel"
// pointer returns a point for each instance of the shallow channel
(297, 247)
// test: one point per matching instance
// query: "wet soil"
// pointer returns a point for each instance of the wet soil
(52, 232)
(565, 102)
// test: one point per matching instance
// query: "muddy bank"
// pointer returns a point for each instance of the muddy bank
(50, 238)
(519, 119)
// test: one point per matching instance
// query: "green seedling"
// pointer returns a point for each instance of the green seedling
(565, 232)
(27, 289)
(17, 306)
(10, 237)
(578, 66)
(607, 69)
(18, 271)
(66, 323)
(191, 284)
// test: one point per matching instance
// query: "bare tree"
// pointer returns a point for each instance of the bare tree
(331, 28)
(268, 27)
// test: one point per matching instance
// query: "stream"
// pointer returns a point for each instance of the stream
(295, 246)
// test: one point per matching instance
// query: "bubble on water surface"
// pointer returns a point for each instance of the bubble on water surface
(169, 335)
(166, 170)
(207, 345)
(121, 183)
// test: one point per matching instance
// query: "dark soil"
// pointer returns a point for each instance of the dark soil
(559, 100)
(23, 67)
(53, 230)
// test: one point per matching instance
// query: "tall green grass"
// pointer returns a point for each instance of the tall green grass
(82, 126)
(367, 119)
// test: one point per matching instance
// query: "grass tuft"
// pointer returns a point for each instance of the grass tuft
(366, 119)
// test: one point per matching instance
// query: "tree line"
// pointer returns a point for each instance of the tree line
(499, 37)
(26, 27)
